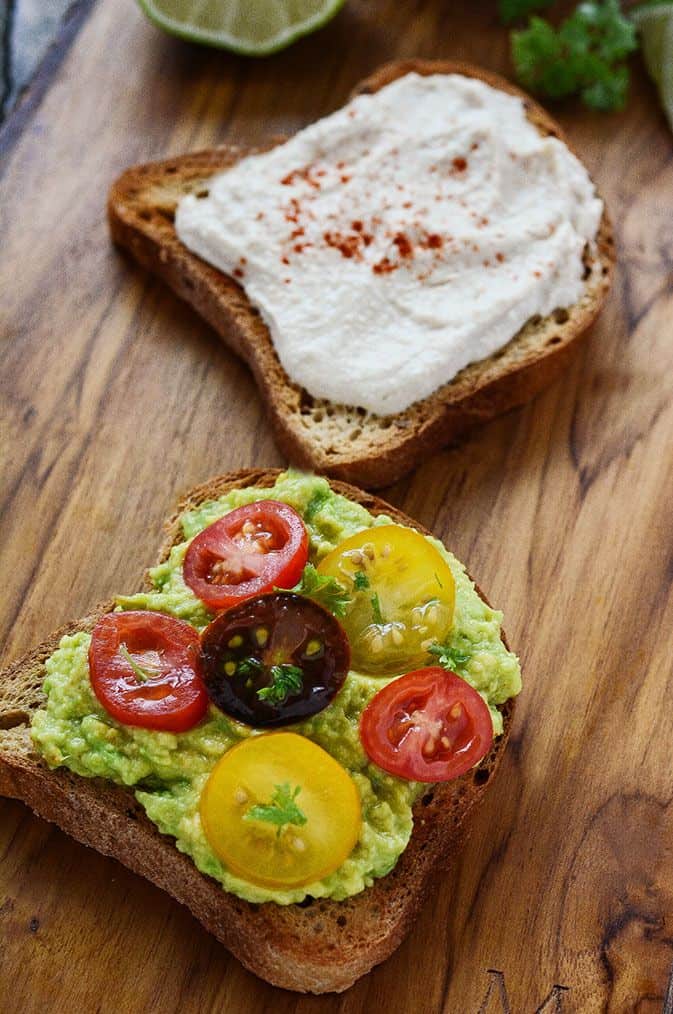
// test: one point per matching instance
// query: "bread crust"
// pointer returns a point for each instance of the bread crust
(341, 441)
(321, 947)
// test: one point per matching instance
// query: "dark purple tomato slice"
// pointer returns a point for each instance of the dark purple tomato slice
(274, 659)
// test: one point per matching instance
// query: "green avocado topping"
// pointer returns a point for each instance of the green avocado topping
(168, 771)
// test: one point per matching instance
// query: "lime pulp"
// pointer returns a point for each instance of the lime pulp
(654, 22)
(251, 27)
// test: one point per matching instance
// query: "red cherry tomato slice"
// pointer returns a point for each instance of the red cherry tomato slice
(146, 670)
(428, 726)
(248, 552)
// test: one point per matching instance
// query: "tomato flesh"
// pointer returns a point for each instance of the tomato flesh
(402, 597)
(429, 726)
(243, 818)
(247, 552)
(145, 670)
(274, 659)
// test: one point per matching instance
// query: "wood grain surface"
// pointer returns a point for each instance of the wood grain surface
(115, 398)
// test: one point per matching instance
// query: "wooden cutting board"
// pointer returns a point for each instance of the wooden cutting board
(115, 397)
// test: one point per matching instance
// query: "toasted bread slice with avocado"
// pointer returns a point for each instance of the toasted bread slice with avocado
(317, 947)
(342, 441)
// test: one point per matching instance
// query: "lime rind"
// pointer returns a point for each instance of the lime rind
(654, 22)
(270, 24)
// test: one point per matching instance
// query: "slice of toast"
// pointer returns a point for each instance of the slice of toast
(346, 442)
(316, 947)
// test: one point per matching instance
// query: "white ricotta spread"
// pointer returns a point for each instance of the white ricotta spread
(410, 233)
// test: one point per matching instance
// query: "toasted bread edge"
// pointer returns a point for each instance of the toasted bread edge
(344, 441)
(322, 947)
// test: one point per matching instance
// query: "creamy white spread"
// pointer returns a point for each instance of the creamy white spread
(403, 237)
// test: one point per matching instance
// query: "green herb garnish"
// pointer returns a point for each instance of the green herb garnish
(360, 580)
(286, 679)
(514, 10)
(581, 57)
(448, 656)
(282, 809)
(376, 609)
(323, 589)
(315, 504)
(142, 675)
(249, 667)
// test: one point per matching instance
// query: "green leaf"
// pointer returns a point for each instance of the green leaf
(580, 57)
(515, 10)
(286, 679)
(282, 809)
(316, 504)
(376, 609)
(142, 675)
(323, 589)
(449, 657)
(249, 667)
(609, 93)
(360, 580)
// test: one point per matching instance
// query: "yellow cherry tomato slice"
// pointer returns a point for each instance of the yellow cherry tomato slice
(402, 597)
(279, 811)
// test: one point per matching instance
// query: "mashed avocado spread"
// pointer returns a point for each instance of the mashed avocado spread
(168, 771)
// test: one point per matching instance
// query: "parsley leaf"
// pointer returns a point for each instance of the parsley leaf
(249, 667)
(360, 580)
(580, 57)
(514, 10)
(286, 679)
(376, 609)
(281, 810)
(316, 504)
(323, 589)
(142, 675)
(449, 657)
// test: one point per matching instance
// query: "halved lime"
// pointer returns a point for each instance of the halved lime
(252, 27)
(654, 22)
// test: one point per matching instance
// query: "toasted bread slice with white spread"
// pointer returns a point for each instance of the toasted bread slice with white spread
(342, 441)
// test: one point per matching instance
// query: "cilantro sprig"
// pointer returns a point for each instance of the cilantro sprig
(449, 657)
(286, 679)
(376, 608)
(249, 667)
(142, 675)
(281, 811)
(583, 56)
(515, 10)
(323, 589)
